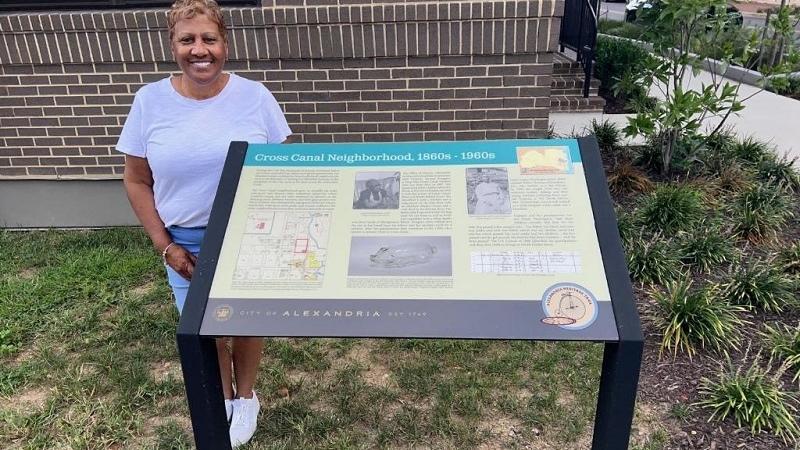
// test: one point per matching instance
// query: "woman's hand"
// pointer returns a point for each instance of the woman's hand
(180, 260)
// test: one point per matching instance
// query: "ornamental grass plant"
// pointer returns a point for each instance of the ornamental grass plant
(671, 208)
(752, 150)
(608, 135)
(625, 178)
(779, 171)
(788, 259)
(653, 261)
(707, 248)
(761, 285)
(753, 397)
(783, 343)
(689, 319)
(760, 211)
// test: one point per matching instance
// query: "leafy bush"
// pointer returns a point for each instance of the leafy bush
(687, 155)
(617, 60)
(760, 211)
(652, 261)
(672, 208)
(625, 177)
(760, 285)
(753, 398)
(684, 36)
(707, 248)
(688, 319)
(784, 342)
(789, 87)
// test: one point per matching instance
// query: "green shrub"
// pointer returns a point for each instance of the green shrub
(672, 208)
(760, 285)
(707, 248)
(783, 342)
(690, 319)
(687, 155)
(760, 211)
(652, 261)
(617, 59)
(788, 86)
(753, 398)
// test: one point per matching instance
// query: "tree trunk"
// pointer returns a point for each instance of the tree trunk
(668, 142)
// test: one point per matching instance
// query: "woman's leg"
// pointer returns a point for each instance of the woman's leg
(225, 366)
(246, 358)
(191, 239)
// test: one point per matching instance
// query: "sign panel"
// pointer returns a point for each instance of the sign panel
(476, 239)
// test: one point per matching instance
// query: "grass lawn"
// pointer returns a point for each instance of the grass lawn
(88, 361)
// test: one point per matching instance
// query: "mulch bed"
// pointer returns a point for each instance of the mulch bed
(614, 104)
(666, 380)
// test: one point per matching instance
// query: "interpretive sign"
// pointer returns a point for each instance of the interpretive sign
(512, 239)
(487, 239)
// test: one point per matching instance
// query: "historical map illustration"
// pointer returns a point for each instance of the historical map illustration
(283, 245)
(544, 160)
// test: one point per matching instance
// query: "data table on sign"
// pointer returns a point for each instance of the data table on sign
(525, 262)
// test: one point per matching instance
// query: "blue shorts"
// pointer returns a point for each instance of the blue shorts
(190, 239)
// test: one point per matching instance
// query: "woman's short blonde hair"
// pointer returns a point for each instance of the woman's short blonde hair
(186, 9)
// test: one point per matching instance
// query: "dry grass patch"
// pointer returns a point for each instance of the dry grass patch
(31, 399)
(164, 370)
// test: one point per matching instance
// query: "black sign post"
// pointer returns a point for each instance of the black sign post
(621, 357)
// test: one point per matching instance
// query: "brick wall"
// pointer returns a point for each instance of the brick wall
(346, 71)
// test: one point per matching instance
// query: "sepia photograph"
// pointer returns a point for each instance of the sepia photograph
(377, 190)
(487, 191)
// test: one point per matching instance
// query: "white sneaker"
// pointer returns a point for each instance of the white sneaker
(228, 409)
(243, 422)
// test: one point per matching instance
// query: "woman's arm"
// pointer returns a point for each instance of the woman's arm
(138, 180)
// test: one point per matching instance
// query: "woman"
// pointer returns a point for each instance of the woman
(175, 139)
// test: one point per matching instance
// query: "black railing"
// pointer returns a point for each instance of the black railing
(579, 33)
(30, 5)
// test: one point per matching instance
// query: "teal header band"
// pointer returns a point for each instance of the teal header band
(501, 152)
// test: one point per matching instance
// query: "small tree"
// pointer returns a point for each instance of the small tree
(686, 36)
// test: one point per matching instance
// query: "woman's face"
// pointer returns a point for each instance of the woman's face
(199, 49)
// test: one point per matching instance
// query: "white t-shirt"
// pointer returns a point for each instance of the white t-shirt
(186, 141)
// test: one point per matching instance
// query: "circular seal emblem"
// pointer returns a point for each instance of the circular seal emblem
(569, 306)
(223, 313)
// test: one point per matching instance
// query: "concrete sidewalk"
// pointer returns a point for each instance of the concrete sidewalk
(766, 116)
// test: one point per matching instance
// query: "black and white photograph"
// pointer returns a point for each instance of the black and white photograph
(487, 191)
(380, 256)
(377, 190)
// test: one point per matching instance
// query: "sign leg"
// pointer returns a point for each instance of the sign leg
(617, 398)
(204, 392)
